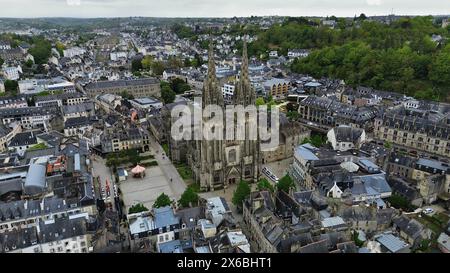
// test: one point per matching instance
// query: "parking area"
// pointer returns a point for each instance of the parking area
(145, 190)
(279, 168)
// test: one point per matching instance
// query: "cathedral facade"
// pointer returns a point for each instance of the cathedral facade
(220, 162)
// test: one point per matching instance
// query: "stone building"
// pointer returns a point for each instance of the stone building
(217, 163)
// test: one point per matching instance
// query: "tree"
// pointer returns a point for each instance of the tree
(264, 184)
(188, 197)
(163, 200)
(187, 62)
(315, 140)
(362, 17)
(158, 68)
(137, 208)
(147, 62)
(241, 193)
(29, 63)
(136, 65)
(41, 50)
(60, 48)
(260, 101)
(126, 95)
(292, 115)
(285, 184)
(179, 86)
(167, 94)
(11, 86)
(1, 61)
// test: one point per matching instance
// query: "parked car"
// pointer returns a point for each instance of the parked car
(428, 210)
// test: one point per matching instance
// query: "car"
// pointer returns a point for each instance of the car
(428, 211)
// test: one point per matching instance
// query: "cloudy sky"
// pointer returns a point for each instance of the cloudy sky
(217, 8)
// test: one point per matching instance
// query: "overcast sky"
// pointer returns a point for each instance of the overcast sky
(217, 8)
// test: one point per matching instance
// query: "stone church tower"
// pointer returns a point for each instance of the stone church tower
(223, 162)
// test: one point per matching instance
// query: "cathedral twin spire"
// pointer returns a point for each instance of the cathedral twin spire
(243, 93)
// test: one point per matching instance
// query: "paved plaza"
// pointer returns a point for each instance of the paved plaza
(146, 190)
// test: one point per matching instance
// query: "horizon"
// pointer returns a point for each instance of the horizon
(90, 9)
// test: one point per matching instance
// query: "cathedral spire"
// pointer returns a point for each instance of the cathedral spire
(244, 93)
(211, 61)
(211, 89)
(244, 67)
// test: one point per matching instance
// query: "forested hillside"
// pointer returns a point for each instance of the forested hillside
(398, 57)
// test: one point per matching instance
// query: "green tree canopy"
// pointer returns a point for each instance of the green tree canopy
(41, 50)
(158, 68)
(241, 193)
(147, 62)
(188, 197)
(179, 86)
(167, 94)
(60, 48)
(11, 86)
(136, 64)
(260, 101)
(126, 95)
(264, 184)
(285, 183)
(163, 200)
(137, 208)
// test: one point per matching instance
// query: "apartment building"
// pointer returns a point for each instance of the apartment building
(140, 88)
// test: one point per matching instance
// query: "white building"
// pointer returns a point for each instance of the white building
(228, 92)
(298, 53)
(114, 56)
(146, 103)
(12, 73)
(344, 138)
(73, 51)
(273, 54)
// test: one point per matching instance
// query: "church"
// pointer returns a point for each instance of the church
(220, 162)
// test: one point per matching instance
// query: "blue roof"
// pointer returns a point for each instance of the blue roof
(165, 217)
(391, 242)
(171, 247)
(304, 151)
(432, 164)
(121, 172)
(368, 164)
(376, 182)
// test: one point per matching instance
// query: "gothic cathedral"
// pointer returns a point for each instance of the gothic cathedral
(218, 163)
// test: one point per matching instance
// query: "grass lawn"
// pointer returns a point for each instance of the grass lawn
(185, 171)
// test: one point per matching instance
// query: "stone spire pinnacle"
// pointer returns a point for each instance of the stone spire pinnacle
(211, 89)
(244, 67)
(211, 61)
(244, 93)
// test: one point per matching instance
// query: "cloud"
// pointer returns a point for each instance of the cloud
(374, 2)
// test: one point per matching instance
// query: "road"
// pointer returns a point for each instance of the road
(100, 169)
(177, 184)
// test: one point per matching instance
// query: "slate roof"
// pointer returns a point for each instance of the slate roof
(316, 247)
(62, 228)
(23, 139)
(347, 134)
(164, 217)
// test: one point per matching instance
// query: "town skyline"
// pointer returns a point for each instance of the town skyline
(208, 9)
